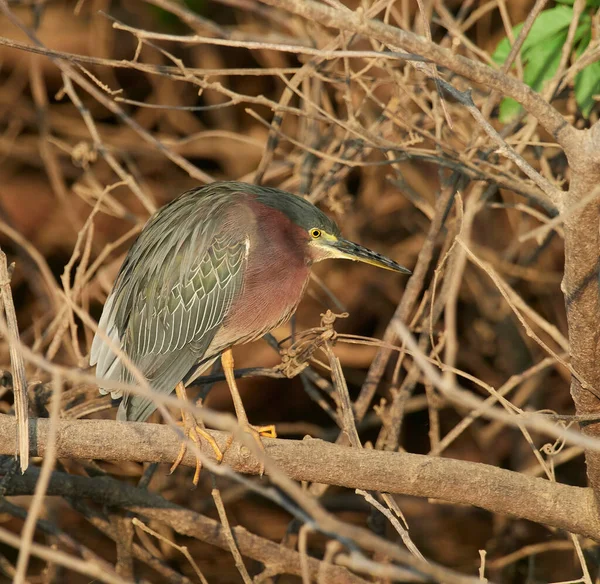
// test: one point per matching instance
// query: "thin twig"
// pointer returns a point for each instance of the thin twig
(85, 567)
(233, 548)
(19, 381)
(402, 532)
(180, 548)
(25, 549)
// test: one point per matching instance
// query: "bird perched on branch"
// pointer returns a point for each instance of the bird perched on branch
(219, 266)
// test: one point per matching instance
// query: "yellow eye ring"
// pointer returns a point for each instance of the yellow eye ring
(315, 233)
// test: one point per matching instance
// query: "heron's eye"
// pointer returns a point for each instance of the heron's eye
(315, 233)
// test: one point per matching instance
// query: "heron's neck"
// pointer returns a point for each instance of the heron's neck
(274, 280)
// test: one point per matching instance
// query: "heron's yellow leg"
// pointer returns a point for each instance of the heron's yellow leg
(240, 412)
(193, 430)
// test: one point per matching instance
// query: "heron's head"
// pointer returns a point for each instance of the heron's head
(323, 236)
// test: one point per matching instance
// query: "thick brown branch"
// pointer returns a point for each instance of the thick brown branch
(580, 287)
(455, 481)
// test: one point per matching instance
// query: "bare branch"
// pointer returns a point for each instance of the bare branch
(454, 481)
(550, 119)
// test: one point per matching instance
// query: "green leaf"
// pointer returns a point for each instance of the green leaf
(548, 24)
(509, 110)
(503, 49)
(587, 84)
(588, 4)
(542, 63)
(541, 51)
(540, 66)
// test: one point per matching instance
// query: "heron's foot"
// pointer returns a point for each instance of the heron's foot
(264, 431)
(257, 432)
(194, 432)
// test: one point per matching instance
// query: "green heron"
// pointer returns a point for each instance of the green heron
(219, 266)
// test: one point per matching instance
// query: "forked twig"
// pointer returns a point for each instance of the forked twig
(181, 548)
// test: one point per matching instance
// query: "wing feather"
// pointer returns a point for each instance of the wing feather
(172, 294)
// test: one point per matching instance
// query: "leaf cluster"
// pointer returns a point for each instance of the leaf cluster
(541, 54)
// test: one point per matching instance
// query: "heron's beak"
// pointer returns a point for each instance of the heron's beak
(348, 250)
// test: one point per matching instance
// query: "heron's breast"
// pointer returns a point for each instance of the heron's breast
(275, 279)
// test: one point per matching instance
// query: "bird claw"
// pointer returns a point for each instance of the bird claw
(265, 431)
(256, 432)
(193, 432)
